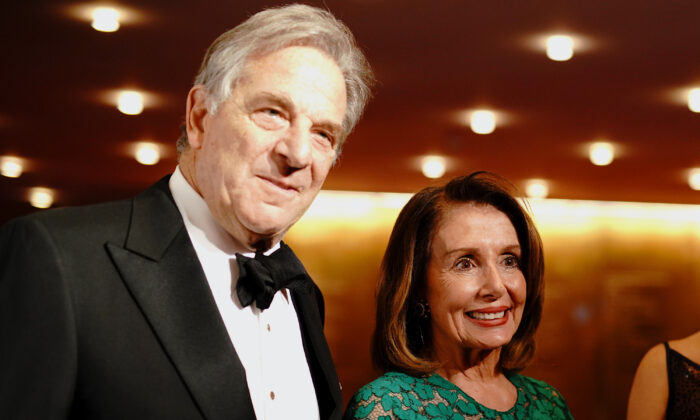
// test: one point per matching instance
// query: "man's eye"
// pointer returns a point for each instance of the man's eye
(269, 118)
(325, 136)
(272, 112)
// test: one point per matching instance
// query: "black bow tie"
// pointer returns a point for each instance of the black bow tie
(261, 277)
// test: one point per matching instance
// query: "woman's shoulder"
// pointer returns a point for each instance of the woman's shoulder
(399, 395)
(390, 382)
(541, 396)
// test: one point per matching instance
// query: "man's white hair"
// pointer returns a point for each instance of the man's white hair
(272, 30)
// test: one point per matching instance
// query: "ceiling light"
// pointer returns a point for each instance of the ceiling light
(40, 197)
(483, 122)
(105, 19)
(601, 153)
(560, 47)
(106, 15)
(11, 166)
(130, 102)
(537, 188)
(694, 99)
(147, 153)
(694, 179)
(433, 166)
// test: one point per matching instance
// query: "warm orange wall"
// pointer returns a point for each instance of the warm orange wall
(619, 278)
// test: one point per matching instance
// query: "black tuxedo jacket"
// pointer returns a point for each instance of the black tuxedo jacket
(105, 312)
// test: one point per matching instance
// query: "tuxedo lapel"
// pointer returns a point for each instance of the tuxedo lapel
(160, 268)
(308, 304)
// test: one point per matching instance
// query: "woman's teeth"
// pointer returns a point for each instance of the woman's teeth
(484, 315)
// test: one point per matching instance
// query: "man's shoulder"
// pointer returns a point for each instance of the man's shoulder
(86, 220)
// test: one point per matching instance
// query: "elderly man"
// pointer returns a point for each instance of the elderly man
(183, 302)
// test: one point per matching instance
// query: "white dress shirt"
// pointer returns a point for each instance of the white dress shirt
(268, 342)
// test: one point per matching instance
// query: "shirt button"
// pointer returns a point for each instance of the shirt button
(272, 395)
(268, 327)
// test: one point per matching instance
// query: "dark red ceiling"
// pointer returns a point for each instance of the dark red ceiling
(431, 59)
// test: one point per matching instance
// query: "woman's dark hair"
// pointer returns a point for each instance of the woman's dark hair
(401, 340)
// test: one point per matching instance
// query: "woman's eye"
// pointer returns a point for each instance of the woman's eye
(463, 263)
(511, 261)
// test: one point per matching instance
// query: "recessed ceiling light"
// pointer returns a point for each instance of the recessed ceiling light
(433, 166)
(130, 102)
(537, 188)
(483, 121)
(694, 99)
(11, 166)
(106, 16)
(105, 19)
(561, 44)
(560, 47)
(147, 153)
(694, 179)
(41, 198)
(601, 153)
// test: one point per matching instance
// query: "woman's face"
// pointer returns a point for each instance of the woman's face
(476, 289)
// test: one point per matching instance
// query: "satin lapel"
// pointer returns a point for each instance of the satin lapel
(160, 268)
(318, 355)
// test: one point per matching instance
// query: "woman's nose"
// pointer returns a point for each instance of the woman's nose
(492, 282)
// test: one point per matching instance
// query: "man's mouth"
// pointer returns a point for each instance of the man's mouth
(279, 184)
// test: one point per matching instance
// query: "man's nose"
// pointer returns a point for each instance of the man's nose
(294, 147)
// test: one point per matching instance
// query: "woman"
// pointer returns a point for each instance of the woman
(667, 382)
(458, 302)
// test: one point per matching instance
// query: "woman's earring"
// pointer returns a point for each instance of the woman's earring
(422, 309)
(422, 313)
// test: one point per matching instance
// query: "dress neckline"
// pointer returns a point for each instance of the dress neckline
(436, 379)
(681, 355)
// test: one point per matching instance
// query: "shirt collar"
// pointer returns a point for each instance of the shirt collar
(200, 223)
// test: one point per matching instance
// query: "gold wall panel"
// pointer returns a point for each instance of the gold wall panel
(620, 277)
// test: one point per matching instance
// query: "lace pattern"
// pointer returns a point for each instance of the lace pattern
(399, 396)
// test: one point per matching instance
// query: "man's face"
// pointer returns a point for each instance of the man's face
(260, 160)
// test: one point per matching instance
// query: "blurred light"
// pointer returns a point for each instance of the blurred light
(537, 188)
(130, 102)
(570, 216)
(433, 166)
(483, 122)
(106, 15)
(694, 179)
(694, 99)
(105, 19)
(601, 153)
(560, 47)
(11, 166)
(40, 197)
(147, 153)
(337, 205)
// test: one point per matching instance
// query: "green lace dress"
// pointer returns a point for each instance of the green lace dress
(399, 396)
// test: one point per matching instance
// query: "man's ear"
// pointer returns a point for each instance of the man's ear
(196, 116)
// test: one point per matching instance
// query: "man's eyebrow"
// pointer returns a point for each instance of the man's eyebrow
(279, 99)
